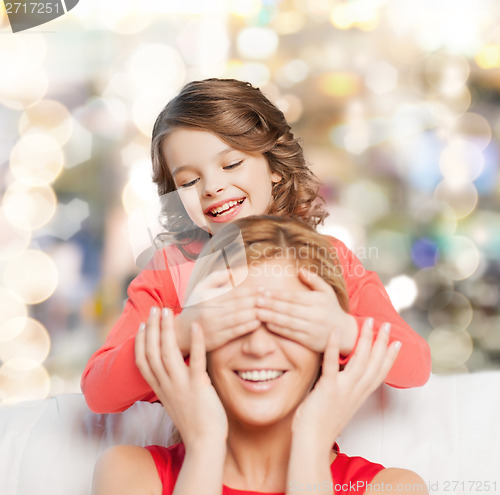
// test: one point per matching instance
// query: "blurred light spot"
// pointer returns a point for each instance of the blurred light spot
(490, 338)
(69, 218)
(136, 151)
(461, 162)
(292, 72)
(29, 208)
(291, 106)
(154, 65)
(20, 381)
(255, 73)
(402, 291)
(430, 281)
(424, 253)
(12, 239)
(382, 78)
(483, 228)
(257, 42)
(24, 91)
(32, 343)
(106, 116)
(472, 127)
(245, 8)
(450, 308)
(447, 73)
(288, 22)
(146, 108)
(459, 257)
(204, 42)
(366, 199)
(450, 348)
(434, 219)
(36, 160)
(47, 116)
(125, 17)
(393, 251)
(79, 147)
(358, 13)
(11, 308)
(24, 83)
(346, 225)
(340, 84)
(32, 276)
(488, 57)
(461, 197)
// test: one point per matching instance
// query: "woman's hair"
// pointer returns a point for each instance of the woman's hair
(266, 238)
(241, 116)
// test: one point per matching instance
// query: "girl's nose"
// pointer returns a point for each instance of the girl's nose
(259, 343)
(212, 186)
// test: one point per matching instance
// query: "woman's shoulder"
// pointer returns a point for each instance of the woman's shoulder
(353, 473)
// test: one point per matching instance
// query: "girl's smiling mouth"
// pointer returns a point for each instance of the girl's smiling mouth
(224, 210)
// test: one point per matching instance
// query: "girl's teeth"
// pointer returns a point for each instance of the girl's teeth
(224, 208)
(260, 375)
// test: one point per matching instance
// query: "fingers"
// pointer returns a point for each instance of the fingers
(370, 363)
(172, 360)
(313, 280)
(331, 357)
(197, 357)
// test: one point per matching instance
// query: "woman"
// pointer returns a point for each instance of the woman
(261, 413)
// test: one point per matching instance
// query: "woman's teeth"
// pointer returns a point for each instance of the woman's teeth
(224, 209)
(259, 375)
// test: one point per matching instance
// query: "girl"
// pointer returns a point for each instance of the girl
(228, 153)
(248, 419)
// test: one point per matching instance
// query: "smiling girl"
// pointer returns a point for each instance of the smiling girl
(261, 413)
(227, 152)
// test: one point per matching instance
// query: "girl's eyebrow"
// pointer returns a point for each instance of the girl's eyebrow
(223, 152)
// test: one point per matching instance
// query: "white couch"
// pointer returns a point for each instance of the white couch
(448, 431)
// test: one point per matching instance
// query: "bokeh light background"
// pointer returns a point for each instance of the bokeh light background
(396, 103)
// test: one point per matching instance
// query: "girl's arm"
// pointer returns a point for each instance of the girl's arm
(368, 298)
(111, 381)
(309, 317)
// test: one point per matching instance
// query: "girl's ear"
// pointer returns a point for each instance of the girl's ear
(275, 177)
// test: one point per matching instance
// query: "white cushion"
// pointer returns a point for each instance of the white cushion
(447, 431)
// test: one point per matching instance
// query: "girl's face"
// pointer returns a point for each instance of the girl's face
(217, 183)
(262, 378)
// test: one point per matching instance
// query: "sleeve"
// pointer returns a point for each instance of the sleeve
(368, 298)
(111, 381)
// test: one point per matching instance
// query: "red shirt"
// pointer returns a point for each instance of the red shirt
(111, 381)
(349, 474)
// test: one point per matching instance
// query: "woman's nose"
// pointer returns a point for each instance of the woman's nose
(259, 343)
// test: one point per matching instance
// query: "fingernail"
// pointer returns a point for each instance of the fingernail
(142, 326)
(397, 345)
(165, 312)
(154, 310)
(386, 327)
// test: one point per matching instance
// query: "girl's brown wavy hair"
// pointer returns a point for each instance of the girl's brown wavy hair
(241, 116)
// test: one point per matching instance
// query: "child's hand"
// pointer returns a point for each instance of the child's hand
(224, 313)
(308, 317)
(338, 394)
(185, 391)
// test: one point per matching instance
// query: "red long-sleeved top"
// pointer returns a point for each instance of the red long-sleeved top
(111, 382)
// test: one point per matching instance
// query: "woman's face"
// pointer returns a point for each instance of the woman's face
(261, 378)
(217, 183)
